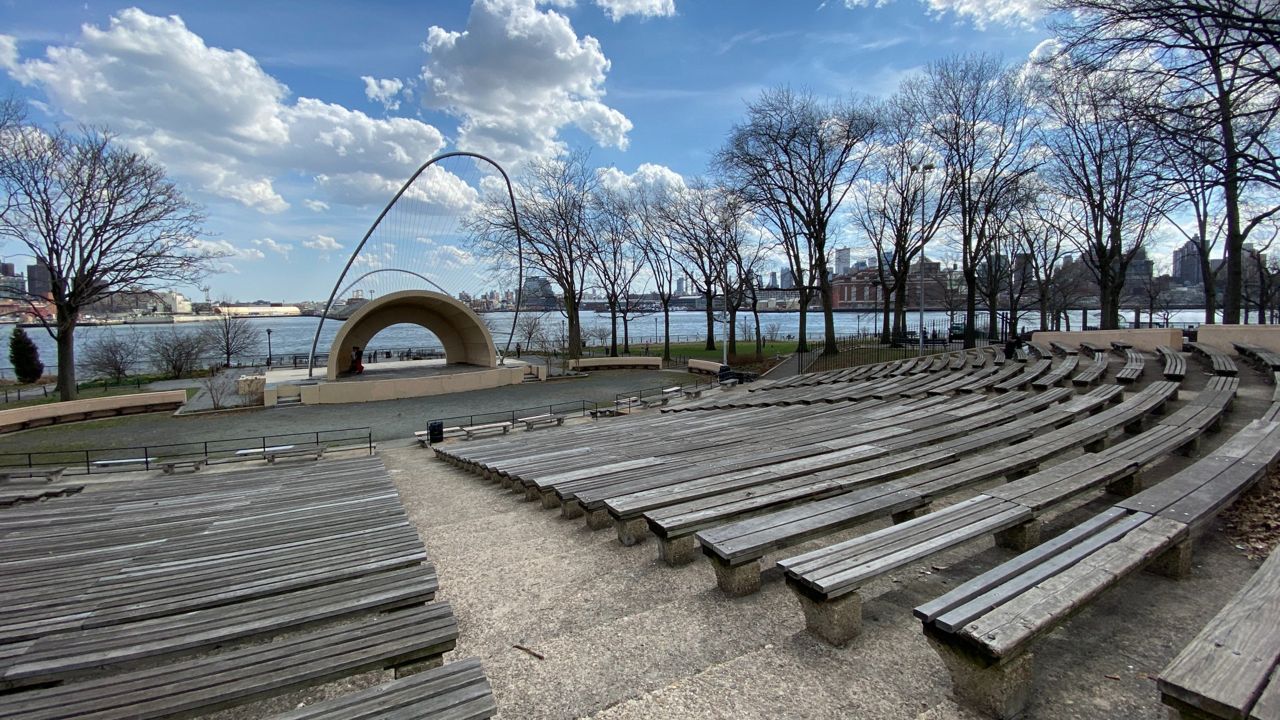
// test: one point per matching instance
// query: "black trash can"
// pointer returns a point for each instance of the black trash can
(435, 431)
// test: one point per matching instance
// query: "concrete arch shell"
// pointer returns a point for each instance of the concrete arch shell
(461, 331)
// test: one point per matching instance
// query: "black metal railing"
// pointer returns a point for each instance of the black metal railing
(134, 457)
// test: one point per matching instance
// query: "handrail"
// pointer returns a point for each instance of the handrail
(147, 455)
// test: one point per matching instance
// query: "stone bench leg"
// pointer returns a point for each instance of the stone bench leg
(599, 519)
(1098, 445)
(1020, 538)
(1127, 486)
(632, 531)
(531, 493)
(836, 621)
(413, 667)
(737, 580)
(570, 509)
(678, 551)
(1174, 563)
(910, 514)
(550, 501)
(999, 691)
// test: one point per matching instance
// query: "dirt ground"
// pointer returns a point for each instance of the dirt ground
(623, 636)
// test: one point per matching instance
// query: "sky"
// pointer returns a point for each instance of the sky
(293, 123)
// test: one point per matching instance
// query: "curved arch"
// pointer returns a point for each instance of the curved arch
(515, 214)
(463, 334)
(420, 276)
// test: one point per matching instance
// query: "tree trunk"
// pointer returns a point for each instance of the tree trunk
(802, 344)
(899, 310)
(1231, 301)
(575, 326)
(666, 329)
(711, 322)
(828, 316)
(970, 310)
(613, 329)
(886, 335)
(66, 321)
(755, 312)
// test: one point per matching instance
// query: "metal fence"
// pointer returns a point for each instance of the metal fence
(117, 459)
(872, 348)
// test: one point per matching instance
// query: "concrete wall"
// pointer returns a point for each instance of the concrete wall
(1221, 336)
(465, 337)
(89, 408)
(1143, 338)
(615, 362)
(396, 388)
(711, 367)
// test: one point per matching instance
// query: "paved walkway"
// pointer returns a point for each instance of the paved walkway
(393, 421)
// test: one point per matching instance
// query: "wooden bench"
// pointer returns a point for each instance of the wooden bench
(249, 453)
(169, 466)
(1094, 349)
(1221, 363)
(457, 691)
(49, 474)
(225, 679)
(473, 430)
(313, 452)
(15, 493)
(144, 461)
(984, 628)
(1059, 374)
(1263, 358)
(1175, 365)
(598, 413)
(1063, 349)
(1133, 365)
(692, 393)
(1228, 670)
(1120, 346)
(547, 420)
(1093, 372)
(1024, 378)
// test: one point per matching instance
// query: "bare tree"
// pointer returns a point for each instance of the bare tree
(530, 329)
(1103, 161)
(231, 336)
(1210, 66)
(901, 204)
(614, 256)
(1045, 244)
(219, 385)
(176, 353)
(553, 197)
(799, 156)
(693, 221)
(984, 130)
(658, 249)
(112, 355)
(102, 219)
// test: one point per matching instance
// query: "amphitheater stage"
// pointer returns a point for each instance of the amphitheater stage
(387, 380)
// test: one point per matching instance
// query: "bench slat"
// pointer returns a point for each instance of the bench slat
(1225, 669)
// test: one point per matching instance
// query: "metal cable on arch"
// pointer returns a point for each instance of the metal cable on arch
(515, 215)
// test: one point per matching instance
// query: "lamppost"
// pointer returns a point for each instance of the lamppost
(924, 169)
(268, 347)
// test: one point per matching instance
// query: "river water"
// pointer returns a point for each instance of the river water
(292, 336)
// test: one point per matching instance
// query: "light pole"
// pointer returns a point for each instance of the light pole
(268, 347)
(924, 169)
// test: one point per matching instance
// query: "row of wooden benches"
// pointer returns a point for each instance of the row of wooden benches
(147, 600)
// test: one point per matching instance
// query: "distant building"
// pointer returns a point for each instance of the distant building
(788, 280)
(682, 285)
(174, 303)
(841, 261)
(12, 287)
(1139, 272)
(39, 280)
(538, 294)
(7, 270)
(266, 310)
(773, 280)
(1186, 265)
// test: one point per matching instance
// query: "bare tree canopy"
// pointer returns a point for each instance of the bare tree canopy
(231, 336)
(101, 218)
(796, 158)
(983, 129)
(1211, 69)
(554, 200)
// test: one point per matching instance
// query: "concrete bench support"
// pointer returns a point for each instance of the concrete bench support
(999, 691)
(632, 531)
(678, 551)
(836, 621)
(737, 580)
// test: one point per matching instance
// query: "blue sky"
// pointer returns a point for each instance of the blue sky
(293, 122)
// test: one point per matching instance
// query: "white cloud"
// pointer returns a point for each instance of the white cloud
(618, 9)
(323, 243)
(8, 52)
(649, 176)
(384, 91)
(315, 205)
(228, 251)
(214, 116)
(516, 76)
(980, 12)
(273, 246)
